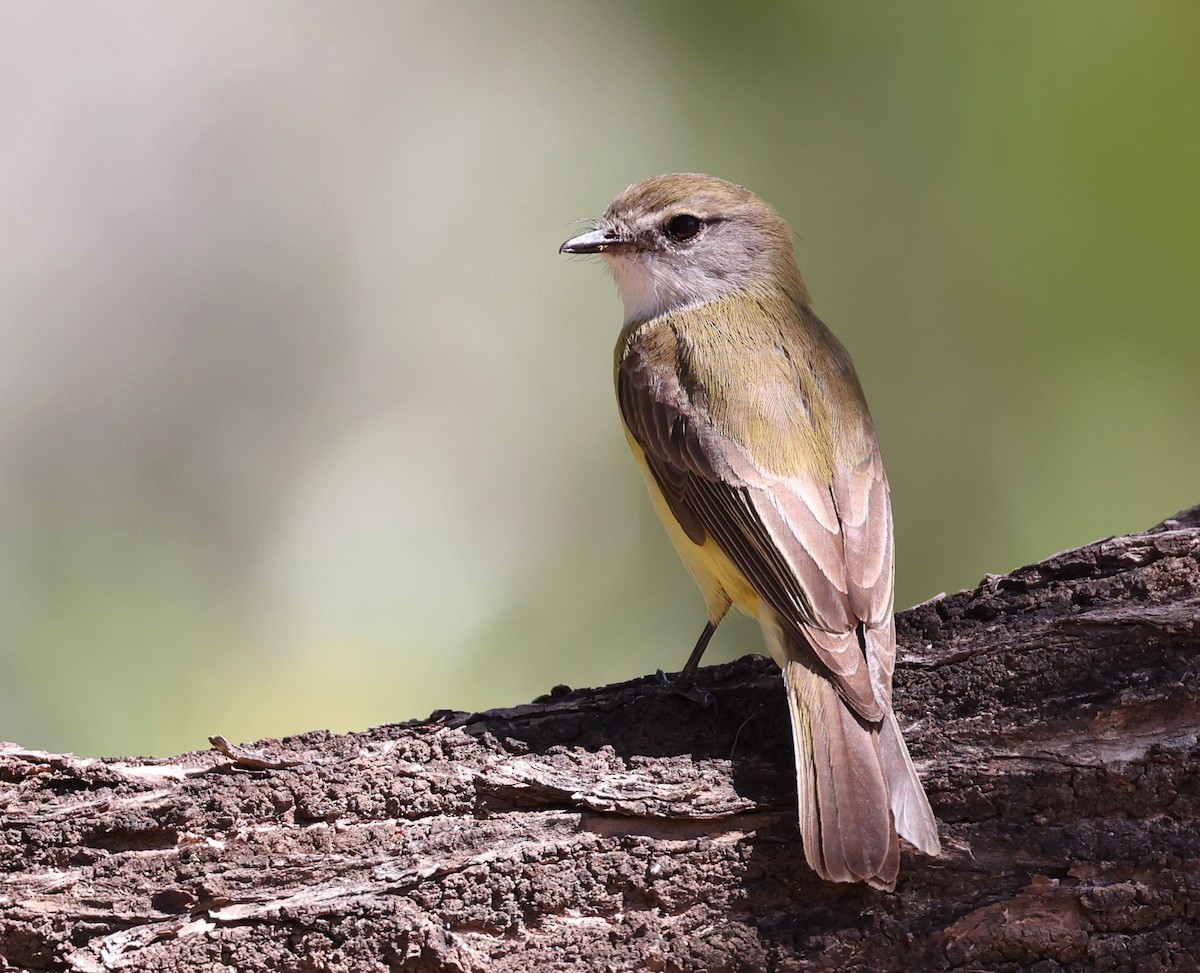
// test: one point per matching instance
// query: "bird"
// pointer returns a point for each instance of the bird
(747, 419)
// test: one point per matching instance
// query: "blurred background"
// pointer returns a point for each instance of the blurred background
(305, 423)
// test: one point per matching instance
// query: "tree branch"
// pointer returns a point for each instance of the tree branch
(1054, 714)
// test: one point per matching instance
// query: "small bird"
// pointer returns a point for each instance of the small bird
(747, 419)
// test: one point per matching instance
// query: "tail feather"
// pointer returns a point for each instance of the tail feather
(844, 798)
(910, 807)
(857, 789)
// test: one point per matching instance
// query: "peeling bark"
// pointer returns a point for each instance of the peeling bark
(1054, 714)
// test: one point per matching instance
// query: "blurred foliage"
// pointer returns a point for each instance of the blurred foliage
(304, 422)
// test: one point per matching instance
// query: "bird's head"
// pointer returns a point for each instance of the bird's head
(685, 239)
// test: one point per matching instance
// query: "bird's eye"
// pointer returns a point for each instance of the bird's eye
(683, 227)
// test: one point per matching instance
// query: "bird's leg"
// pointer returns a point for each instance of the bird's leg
(684, 683)
(688, 675)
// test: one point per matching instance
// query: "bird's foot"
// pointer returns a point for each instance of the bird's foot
(685, 685)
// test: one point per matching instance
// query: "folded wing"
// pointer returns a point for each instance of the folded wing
(817, 549)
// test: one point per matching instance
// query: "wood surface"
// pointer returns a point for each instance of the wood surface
(1054, 714)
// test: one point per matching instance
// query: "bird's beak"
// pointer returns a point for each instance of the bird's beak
(595, 241)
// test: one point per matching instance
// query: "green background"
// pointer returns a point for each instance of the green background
(304, 422)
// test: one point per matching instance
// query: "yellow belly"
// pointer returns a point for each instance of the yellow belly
(721, 583)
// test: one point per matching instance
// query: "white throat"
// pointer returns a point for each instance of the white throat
(649, 286)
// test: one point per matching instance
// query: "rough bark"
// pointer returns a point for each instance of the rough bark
(1054, 713)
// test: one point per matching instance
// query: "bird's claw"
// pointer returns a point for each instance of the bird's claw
(687, 688)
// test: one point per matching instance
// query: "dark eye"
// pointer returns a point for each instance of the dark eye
(683, 227)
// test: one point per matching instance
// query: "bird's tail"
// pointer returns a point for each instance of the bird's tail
(854, 779)
(910, 807)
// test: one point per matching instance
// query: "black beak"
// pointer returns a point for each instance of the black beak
(594, 241)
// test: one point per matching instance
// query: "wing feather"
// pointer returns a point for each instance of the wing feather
(820, 553)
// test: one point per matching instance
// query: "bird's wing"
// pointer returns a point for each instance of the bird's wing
(864, 505)
(819, 553)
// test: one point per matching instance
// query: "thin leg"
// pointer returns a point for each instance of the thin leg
(688, 676)
(684, 683)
